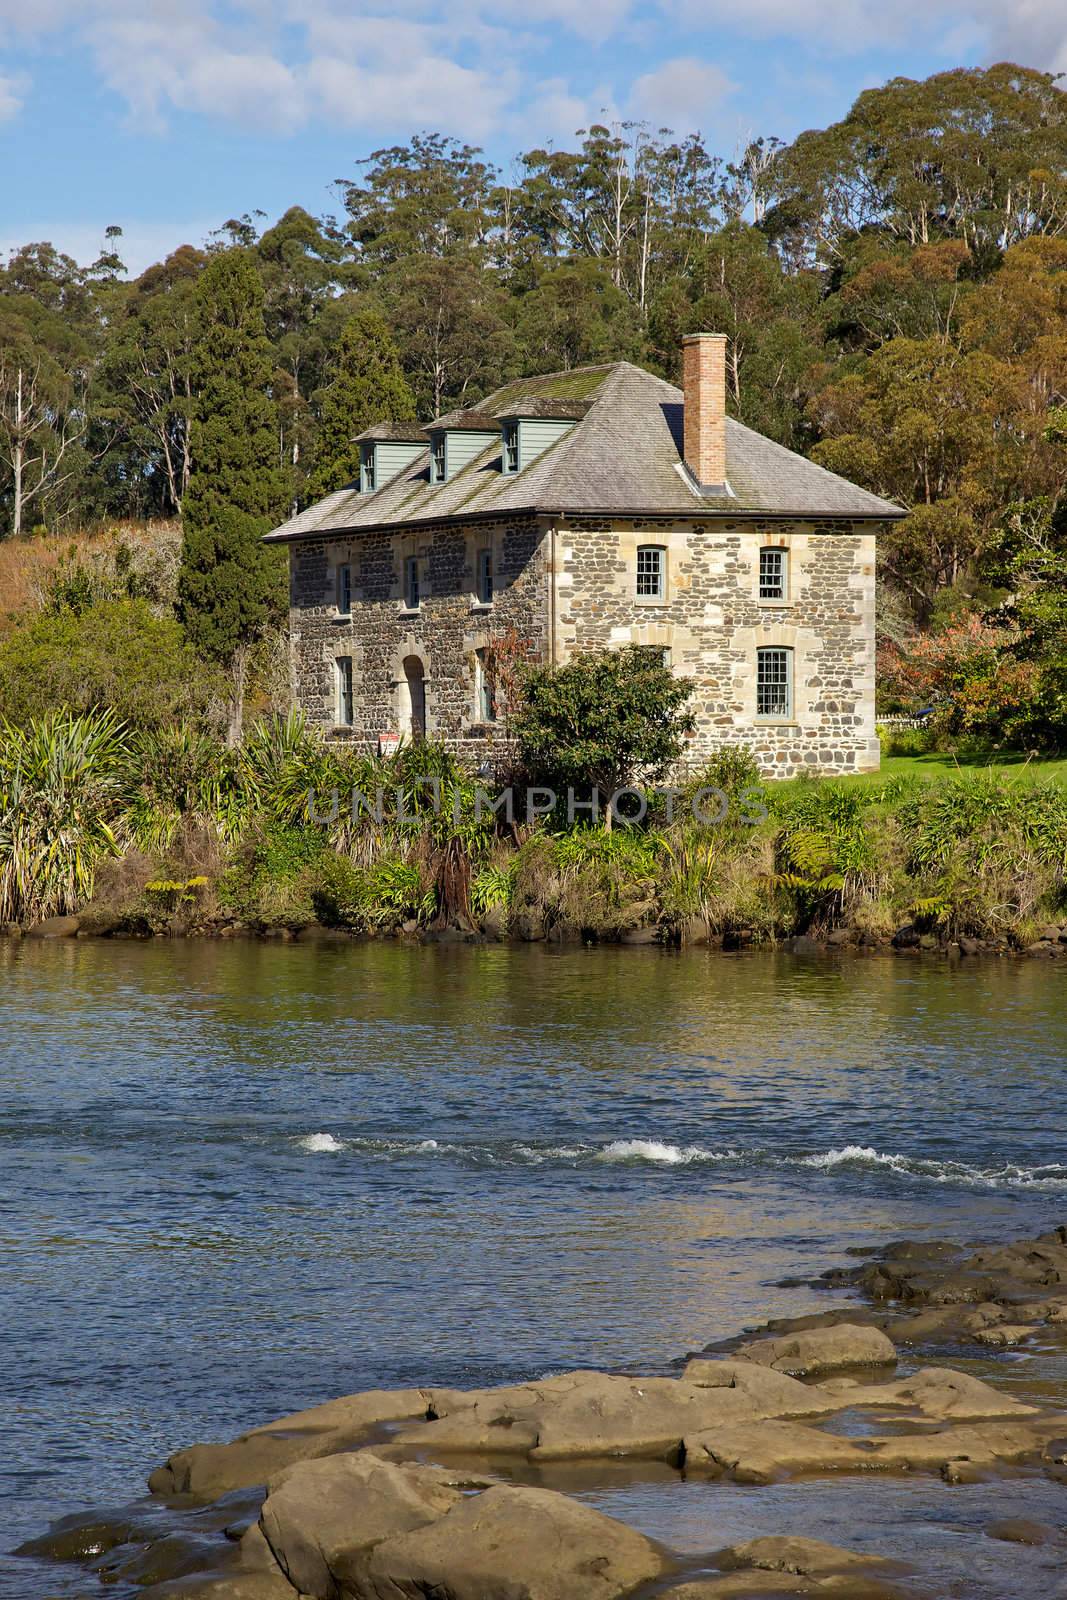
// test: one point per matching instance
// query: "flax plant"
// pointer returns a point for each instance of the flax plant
(63, 798)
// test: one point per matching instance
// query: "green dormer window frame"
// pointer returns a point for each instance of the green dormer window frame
(438, 458)
(510, 446)
(367, 469)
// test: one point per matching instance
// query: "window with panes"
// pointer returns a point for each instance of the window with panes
(774, 683)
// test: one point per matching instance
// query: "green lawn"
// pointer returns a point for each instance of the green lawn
(933, 767)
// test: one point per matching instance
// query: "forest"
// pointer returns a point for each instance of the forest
(894, 289)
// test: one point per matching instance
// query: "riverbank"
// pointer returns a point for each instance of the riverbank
(485, 1494)
(909, 940)
(287, 836)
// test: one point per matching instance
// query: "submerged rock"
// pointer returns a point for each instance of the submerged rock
(764, 1452)
(208, 1470)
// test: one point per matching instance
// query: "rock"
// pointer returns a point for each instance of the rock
(322, 1518)
(651, 935)
(761, 1452)
(54, 928)
(1018, 1530)
(513, 1544)
(906, 938)
(940, 1393)
(739, 1586)
(764, 1451)
(969, 946)
(808, 1558)
(846, 1344)
(841, 936)
(772, 1394)
(234, 1585)
(583, 1415)
(10, 930)
(1007, 1333)
(805, 945)
(209, 1470)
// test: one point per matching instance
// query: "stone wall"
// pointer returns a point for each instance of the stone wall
(443, 634)
(712, 622)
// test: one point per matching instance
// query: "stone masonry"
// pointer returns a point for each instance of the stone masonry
(558, 590)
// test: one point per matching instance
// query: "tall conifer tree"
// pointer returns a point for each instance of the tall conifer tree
(368, 386)
(231, 586)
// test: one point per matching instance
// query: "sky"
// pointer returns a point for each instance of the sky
(167, 117)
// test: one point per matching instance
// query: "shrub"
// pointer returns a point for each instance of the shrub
(603, 720)
(116, 655)
(62, 799)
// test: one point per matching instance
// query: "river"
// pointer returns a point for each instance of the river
(239, 1178)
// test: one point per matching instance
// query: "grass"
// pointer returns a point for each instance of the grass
(935, 766)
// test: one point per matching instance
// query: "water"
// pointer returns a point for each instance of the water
(237, 1179)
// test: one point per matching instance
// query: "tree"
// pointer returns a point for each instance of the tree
(576, 317)
(450, 323)
(231, 585)
(430, 197)
(115, 655)
(368, 386)
(975, 154)
(149, 375)
(922, 424)
(603, 720)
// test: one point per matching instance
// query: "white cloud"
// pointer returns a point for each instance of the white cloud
(1031, 31)
(427, 91)
(685, 94)
(13, 87)
(479, 67)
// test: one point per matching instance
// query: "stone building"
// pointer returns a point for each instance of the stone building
(586, 510)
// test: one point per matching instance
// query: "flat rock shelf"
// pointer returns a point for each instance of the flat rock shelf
(507, 1493)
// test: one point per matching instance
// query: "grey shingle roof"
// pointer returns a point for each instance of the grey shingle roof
(403, 432)
(476, 421)
(621, 459)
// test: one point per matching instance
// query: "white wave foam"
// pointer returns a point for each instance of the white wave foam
(670, 1155)
(1050, 1176)
(320, 1143)
(425, 1146)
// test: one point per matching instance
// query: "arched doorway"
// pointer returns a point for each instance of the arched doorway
(413, 699)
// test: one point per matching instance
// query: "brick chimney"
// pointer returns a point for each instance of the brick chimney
(704, 386)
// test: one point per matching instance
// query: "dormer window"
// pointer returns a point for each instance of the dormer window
(511, 446)
(437, 458)
(385, 450)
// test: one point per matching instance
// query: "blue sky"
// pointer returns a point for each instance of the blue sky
(169, 116)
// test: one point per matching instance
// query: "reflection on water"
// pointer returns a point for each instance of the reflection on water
(236, 1179)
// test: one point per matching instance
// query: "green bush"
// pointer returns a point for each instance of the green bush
(603, 720)
(116, 655)
(271, 881)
